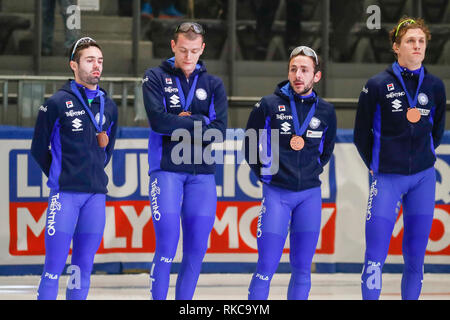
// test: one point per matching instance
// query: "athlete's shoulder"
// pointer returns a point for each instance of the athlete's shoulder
(326, 107)
(380, 78)
(154, 72)
(60, 99)
(436, 81)
(271, 102)
(325, 104)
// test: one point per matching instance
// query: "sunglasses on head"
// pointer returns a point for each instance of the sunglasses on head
(81, 42)
(186, 26)
(307, 51)
(403, 24)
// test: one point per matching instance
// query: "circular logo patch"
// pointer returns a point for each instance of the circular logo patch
(97, 118)
(201, 94)
(423, 99)
(314, 123)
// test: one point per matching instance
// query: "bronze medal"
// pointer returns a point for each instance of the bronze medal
(102, 139)
(413, 115)
(297, 143)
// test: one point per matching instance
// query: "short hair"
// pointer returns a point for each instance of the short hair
(74, 55)
(317, 65)
(405, 24)
(191, 30)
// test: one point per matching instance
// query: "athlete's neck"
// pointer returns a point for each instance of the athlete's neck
(409, 66)
(86, 85)
(90, 93)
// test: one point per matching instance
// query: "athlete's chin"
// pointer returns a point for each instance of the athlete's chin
(94, 80)
(299, 88)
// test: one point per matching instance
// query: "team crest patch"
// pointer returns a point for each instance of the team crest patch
(201, 94)
(423, 99)
(97, 118)
(390, 87)
(69, 104)
(314, 123)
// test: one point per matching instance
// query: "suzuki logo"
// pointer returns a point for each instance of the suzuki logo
(76, 123)
(285, 126)
(174, 99)
(396, 104)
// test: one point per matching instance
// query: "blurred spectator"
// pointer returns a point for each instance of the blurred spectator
(48, 16)
(265, 11)
(344, 14)
(125, 8)
(160, 9)
(9, 23)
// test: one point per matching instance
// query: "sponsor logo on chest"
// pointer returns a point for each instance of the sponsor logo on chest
(174, 101)
(77, 125)
(397, 106)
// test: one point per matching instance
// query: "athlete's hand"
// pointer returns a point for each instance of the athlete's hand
(185, 114)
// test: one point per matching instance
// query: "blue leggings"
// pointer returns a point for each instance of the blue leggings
(387, 192)
(77, 216)
(192, 198)
(282, 211)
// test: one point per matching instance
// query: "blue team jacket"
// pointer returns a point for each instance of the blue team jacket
(298, 170)
(385, 139)
(65, 143)
(163, 103)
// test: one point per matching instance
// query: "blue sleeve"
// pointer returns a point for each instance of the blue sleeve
(218, 110)
(330, 138)
(250, 145)
(162, 122)
(40, 145)
(439, 115)
(363, 131)
(112, 133)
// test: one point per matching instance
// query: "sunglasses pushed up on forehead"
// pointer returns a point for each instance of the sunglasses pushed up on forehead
(80, 42)
(186, 26)
(307, 51)
(404, 23)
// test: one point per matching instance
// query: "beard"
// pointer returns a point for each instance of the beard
(307, 87)
(88, 78)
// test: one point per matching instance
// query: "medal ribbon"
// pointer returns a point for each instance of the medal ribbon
(186, 103)
(398, 73)
(300, 130)
(98, 126)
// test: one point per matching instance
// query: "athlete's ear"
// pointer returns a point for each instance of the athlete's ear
(395, 48)
(317, 76)
(73, 65)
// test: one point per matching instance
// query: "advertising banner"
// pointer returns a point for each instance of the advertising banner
(129, 237)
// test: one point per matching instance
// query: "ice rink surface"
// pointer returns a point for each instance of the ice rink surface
(329, 286)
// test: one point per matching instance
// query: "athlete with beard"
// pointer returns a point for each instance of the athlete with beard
(73, 142)
(292, 199)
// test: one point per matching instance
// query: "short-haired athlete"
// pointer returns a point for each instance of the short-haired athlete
(73, 142)
(399, 124)
(180, 94)
(292, 200)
